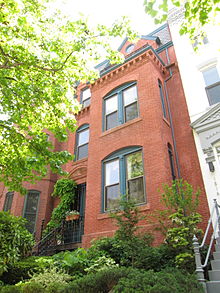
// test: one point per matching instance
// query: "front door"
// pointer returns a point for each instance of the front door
(74, 230)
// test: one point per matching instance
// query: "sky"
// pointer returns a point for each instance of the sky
(106, 12)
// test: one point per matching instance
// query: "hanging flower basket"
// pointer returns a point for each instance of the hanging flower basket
(72, 215)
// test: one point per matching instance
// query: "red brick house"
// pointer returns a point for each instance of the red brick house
(133, 135)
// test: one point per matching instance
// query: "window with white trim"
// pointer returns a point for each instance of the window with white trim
(82, 142)
(123, 174)
(120, 106)
(212, 82)
(86, 97)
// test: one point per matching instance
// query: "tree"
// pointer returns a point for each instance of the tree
(42, 57)
(196, 14)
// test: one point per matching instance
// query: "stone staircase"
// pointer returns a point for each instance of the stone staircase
(213, 285)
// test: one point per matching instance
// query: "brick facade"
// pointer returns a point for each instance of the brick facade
(150, 130)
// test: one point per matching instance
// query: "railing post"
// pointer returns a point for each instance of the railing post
(199, 269)
(41, 228)
(218, 220)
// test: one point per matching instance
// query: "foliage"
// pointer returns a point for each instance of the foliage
(196, 14)
(180, 195)
(101, 263)
(10, 289)
(43, 54)
(169, 280)
(102, 281)
(21, 270)
(32, 287)
(49, 276)
(127, 219)
(180, 236)
(15, 240)
(73, 262)
(65, 189)
(182, 221)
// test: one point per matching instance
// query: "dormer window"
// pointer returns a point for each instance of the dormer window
(129, 48)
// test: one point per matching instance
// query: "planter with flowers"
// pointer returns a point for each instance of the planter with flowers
(72, 215)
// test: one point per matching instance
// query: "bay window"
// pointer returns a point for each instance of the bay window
(123, 174)
(120, 106)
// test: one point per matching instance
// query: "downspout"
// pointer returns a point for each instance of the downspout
(170, 116)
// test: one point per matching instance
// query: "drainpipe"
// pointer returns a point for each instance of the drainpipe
(170, 116)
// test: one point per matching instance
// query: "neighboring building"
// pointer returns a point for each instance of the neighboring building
(133, 135)
(200, 74)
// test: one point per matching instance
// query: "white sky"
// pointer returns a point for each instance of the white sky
(106, 12)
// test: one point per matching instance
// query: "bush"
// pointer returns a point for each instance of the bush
(33, 287)
(100, 282)
(130, 280)
(21, 270)
(10, 289)
(50, 276)
(15, 240)
(170, 280)
(73, 262)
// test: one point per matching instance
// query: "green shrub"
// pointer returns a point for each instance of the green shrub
(10, 289)
(101, 263)
(15, 240)
(73, 262)
(50, 276)
(21, 270)
(100, 282)
(33, 287)
(166, 281)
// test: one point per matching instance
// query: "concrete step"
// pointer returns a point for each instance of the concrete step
(215, 264)
(213, 286)
(214, 275)
(216, 255)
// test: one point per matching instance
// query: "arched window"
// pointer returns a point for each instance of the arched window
(8, 201)
(120, 106)
(123, 174)
(172, 168)
(82, 142)
(31, 209)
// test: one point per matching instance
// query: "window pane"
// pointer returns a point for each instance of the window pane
(31, 203)
(130, 95)
(131, 112)
(86, 102)
(30, 212)
(86, 94)
(8, 201)
(214, 94)
(82, 151)
(112, 120)
(30, 225)
(83, 137)
(134, 165)
(211, 76)
(136, 190)
(112, 172)
(112, 197)
(162, 99)
(111, 104)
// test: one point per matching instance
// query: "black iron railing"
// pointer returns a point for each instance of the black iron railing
(69, 232)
